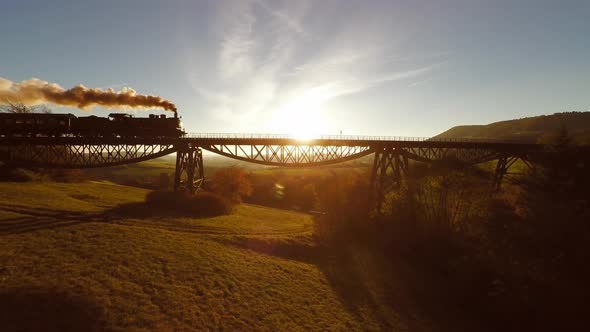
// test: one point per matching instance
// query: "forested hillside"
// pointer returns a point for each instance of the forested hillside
(540, 129)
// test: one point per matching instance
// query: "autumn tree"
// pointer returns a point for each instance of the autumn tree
(231, 183)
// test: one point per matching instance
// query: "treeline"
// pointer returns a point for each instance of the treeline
(12, 174)
(140, 179)
(541, 129)
(277, 189)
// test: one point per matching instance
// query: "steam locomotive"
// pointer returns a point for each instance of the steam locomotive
(115, 125)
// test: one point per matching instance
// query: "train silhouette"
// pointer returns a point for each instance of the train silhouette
(115, 125)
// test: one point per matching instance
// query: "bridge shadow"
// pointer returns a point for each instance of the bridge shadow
(48, 310)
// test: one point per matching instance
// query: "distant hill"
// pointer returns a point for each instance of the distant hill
(534, 129)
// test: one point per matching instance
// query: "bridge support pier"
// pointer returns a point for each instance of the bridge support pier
(189, 174)
(503, 165)
(389, 167)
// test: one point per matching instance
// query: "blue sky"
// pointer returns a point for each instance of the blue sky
(408, 68)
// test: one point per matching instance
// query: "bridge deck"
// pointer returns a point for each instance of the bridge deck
(263, 139)
(272, 150)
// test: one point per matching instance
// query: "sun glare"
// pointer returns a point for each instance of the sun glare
(301, 118)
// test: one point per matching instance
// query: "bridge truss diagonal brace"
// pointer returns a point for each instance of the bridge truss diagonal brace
(289, 155)
(503, 165)
(389, 167)
(189, 174)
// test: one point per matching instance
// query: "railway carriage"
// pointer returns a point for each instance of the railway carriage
(91, 126)
(115, 125)
(35, 124)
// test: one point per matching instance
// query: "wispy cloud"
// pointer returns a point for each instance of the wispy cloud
(420, 82)
(268, 63)
(235, 55)
(283, 17)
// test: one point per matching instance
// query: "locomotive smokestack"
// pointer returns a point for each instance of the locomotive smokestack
(36, 91)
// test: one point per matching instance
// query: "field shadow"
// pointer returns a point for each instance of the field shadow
(142, 210)
(286, 249)
(345, 276)
(365, 287)
(48, 310)
(34, 219)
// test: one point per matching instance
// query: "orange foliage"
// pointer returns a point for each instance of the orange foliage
(231, 183)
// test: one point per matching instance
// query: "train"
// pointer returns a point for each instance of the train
(115, 125)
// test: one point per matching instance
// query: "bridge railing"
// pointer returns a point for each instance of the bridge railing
(344, 138)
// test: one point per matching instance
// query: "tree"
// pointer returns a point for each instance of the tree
(231, 183)
(11, 107)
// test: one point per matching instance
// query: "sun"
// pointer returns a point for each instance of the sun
(300, 118)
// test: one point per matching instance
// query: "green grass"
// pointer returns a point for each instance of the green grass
(69, 259)
(517, 168)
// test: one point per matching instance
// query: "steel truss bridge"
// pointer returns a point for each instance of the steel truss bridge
(391, 154)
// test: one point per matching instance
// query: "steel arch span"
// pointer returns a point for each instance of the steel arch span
(290, 155)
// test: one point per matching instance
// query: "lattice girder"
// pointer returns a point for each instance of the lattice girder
(465, 155)
(82, 155)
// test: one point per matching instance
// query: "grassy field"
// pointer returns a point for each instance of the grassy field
(92, 256)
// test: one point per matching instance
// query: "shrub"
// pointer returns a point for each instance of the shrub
(201, 204)
(164, 181)
(264, 190)
(66, 175)
(21, 175)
